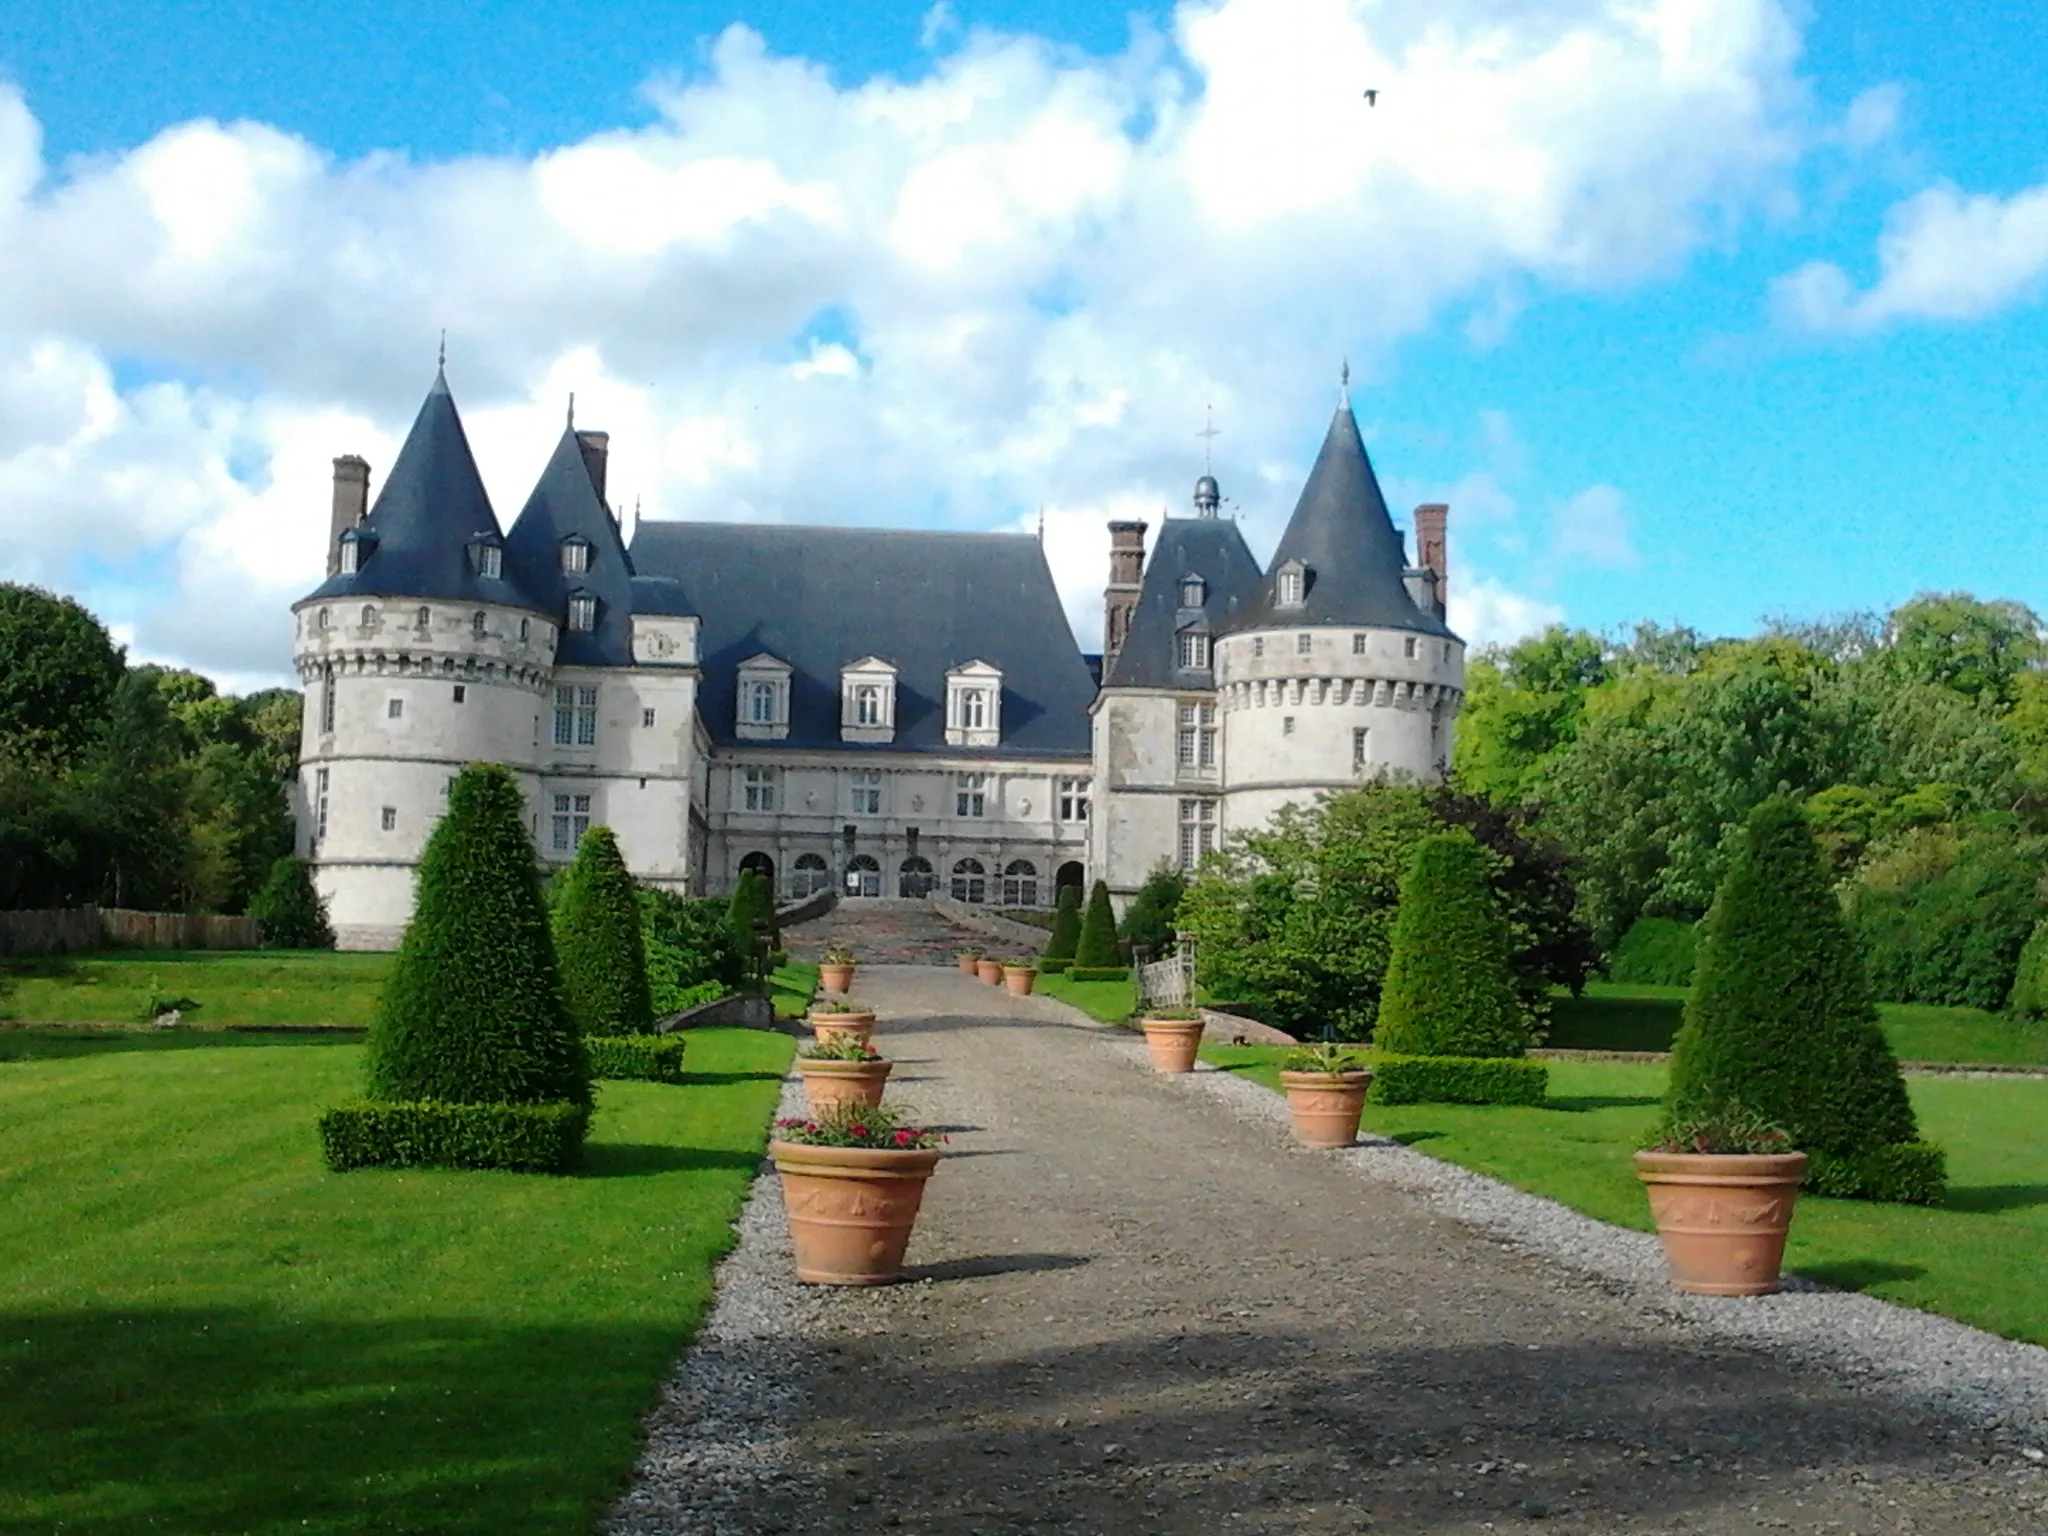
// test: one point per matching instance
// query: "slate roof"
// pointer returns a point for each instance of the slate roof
(925, 602)
(1208, 547)
(425, 520)
(565, 505)
(1342, 532)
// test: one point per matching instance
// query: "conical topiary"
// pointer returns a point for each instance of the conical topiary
(749, 912)
(2029, 996)
(598, 942)
(1780, 1028)
(1450, 985)
(1096, 945)
(1066, 925)
(473, 1011)
(290, 908)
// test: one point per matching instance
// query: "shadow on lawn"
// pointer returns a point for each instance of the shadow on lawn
(44, 1042)
(1984, 1198)
(223, 1419)
(627, 1160)
(1860, 1274)
(1579, 1104)
(710, 1079)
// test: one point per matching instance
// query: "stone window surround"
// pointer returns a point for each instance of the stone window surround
(766, 678)
(974, 705)
(867, 701)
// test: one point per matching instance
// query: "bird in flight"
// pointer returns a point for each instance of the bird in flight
(1372, 98)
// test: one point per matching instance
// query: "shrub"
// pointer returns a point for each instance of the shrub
(1943, 920)
(751, 914)
(1655, 952)
(598, 943)
(290, 909)
(688, 944)
(1458, 1080)
(2029, 996)
(1450, 990)
(1904, 1173)
(1066, 925)
(521, 1138)
(1096, 945)
(1098, 973)
(472, 1013)
(1149, 924)
(1053, 965)
(1779, 1024)
(646, 1058)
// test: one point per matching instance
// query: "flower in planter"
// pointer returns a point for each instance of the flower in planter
(838, 954)
(1324, 1056)
(839, 1005)
(840, 1048)
(1734, 1132)
(1171, 1015)
(860, 1125)
(967, 954)
(1020, 963)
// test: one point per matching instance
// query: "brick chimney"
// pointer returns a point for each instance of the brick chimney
(1126, 573)
(596, 448)
(1430, 551)
(351, 503)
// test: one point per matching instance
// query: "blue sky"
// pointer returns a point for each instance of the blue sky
(1701, 395)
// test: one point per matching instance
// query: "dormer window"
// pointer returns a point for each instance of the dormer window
(349, 557)
(867, 705)
(974, 701)
(762, 708)
(1290, 589)
(1192, 650)
(575, 556)
(356, 545)
(1193, 592)
(867, 700)
(583, 612)
(490, 562)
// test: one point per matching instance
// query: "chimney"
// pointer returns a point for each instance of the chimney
(596, 448)
(1126, 573)
(1430, 551)
(351, 503)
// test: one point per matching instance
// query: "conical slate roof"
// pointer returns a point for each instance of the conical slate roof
(428, 519)
(564, 506)
(1211, 548)
(1342, 533)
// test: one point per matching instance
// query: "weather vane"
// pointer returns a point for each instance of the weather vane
(1209, 433)
(441, 358)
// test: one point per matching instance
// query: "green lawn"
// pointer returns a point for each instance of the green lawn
(202, 1330)
(1110, 1001)
(791, 988)
(1978, 1258)
(1614, 1017)
(275, 987)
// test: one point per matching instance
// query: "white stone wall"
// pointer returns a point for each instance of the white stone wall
(1141, 782)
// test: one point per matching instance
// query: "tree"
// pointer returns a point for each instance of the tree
(1450, 987)
(1097, 943)
(688, 943)
(1521, 705)
(1943, 915)
(751, 912)
(1973, 648)
(58, 672)
(598, 943)
(473, 1011)
(1779, 1026)
(1066, 925)
(290, 908)
(1149, 924)
(134, 781)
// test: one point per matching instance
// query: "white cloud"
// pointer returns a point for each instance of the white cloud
(1873, 117)
(1944, 254)
(1013, 281)
(1594, 528)
(1486, 612)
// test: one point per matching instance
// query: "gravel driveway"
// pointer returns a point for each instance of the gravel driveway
(1134, 1311)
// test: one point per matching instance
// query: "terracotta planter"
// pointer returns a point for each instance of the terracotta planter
(850, 1209)
(1020, 979)
(967, 963)
(836, 978)
(1326, 1106)
(852, 1026)
(1172, 1042)
(990, 971)
(1723, 1217)
(827, 1083)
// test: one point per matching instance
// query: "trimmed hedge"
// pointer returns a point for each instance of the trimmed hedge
(2029, 997)
(1098, 973)
(1780, 1027)
(688, 942)
(642, 1058)
(1066, 927)
(1458, 1080)
(519, 1138)
(1655, 952)
(290, 909)
(1054, 965)
(1096, 946)
(598, 942)
(1450, 987)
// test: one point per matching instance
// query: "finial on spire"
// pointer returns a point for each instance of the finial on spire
(572, 410)
(441, 358)
(1041, 522)
(1209, 433)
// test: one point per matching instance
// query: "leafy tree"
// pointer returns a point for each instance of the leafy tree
(598, 942)
(1656, 952)
(1450, 988)
(1521, 705)
(2029, 997)
(1973, 648)
(134, 782)
(290, 908)
(751, 911)
(688, 944)
(1149, 923)
(58, 672)
(1779, 1025)
(1066, 925)
(473, 1011)
(1097, 943)
(1943, 917)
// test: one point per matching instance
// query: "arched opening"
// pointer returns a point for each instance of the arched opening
(1070, 873)
(1020, 883)
(970, 882)
(915, 879)
(761, 865)
(810, 875)
(863, 875)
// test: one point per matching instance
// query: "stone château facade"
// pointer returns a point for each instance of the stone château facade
(884, 712)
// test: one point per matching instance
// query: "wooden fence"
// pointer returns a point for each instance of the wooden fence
(81, 929)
